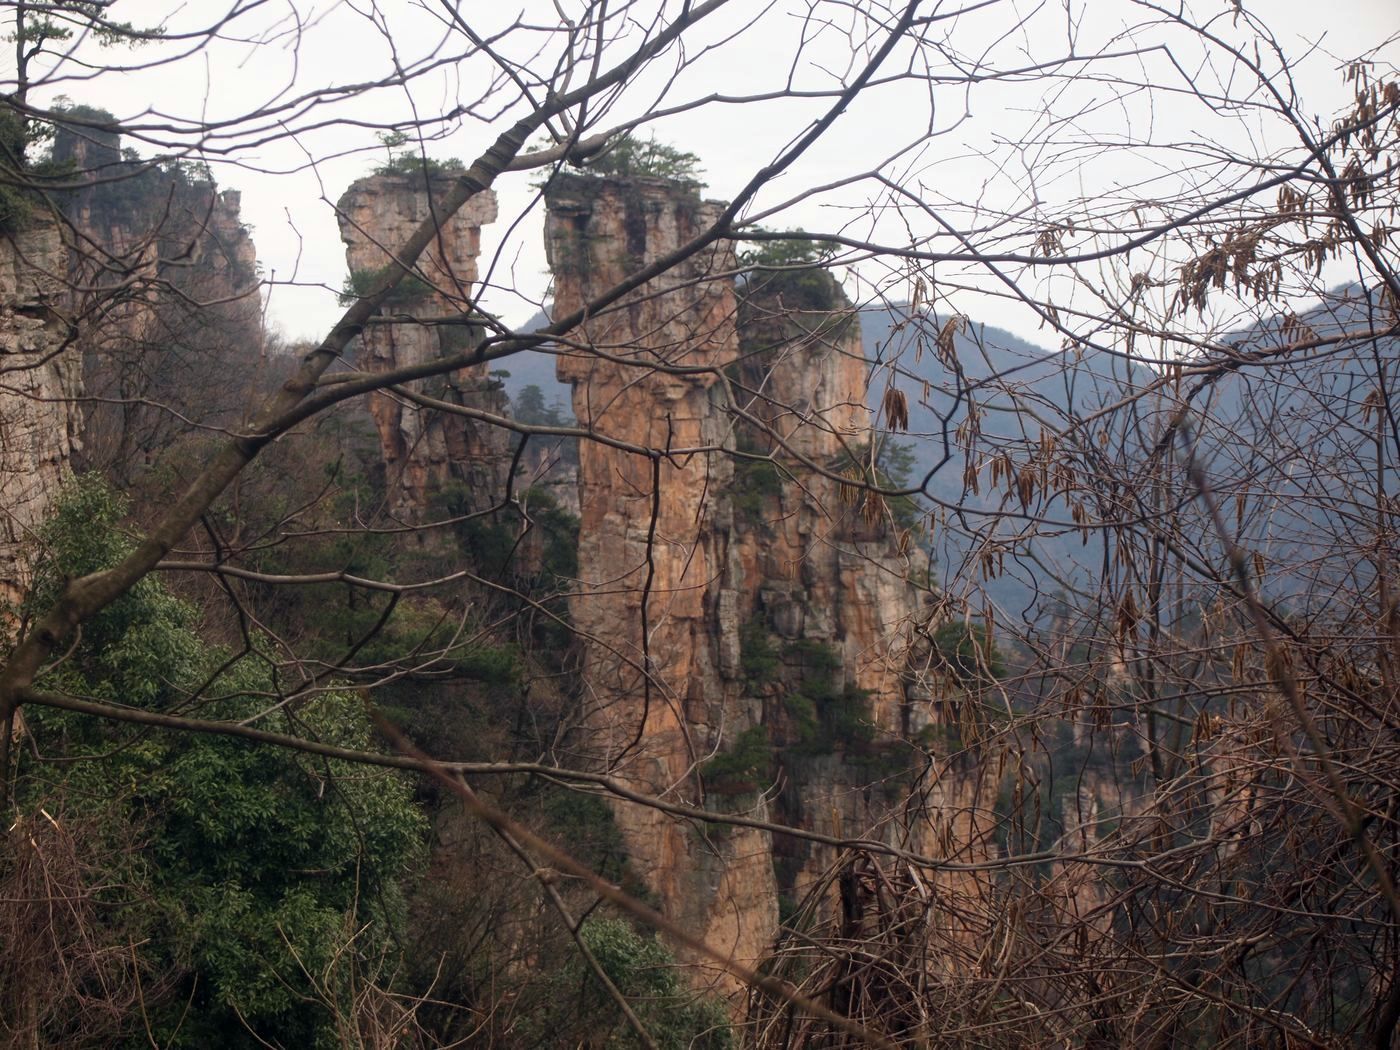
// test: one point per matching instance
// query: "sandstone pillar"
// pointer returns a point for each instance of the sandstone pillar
(424, 449)
(42, 376)
(655, 601)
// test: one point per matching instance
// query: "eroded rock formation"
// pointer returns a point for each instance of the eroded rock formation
(39, 421)
(826, 594)
(144, 291)
(424, 448)
(164, 292)
(656, 566)
(744, 619)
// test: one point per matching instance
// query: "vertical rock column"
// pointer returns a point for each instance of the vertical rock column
(821, 573)
(655, 605)
(424, 448)
(818, 567)
(39, 418)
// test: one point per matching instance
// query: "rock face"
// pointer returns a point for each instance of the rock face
(164, 293)
(826, 585)
(656, 567)
(424, 449)
(39, 423)
(744, 622)
(148, 258)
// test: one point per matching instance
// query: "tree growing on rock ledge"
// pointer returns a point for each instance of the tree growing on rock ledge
(1167, 817)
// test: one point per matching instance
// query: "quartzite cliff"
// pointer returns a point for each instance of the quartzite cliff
(747, 623)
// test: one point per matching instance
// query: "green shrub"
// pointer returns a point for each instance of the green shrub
(893, 467)
(966, 654)
(739, 768)
(361, 284)
(411, 163)
(582, 1014)
(828, 714)
(795, 248)
(629, 156)
(261, 884)
(755, 482)
(790, 272)
(758, 659)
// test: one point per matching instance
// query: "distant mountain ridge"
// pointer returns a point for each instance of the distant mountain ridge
(1020, 388)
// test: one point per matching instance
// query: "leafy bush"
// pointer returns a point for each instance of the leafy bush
(739, 768)
(529, 407)
(415, 164)
(404, 157)
(828, 714)
(791, 271)
(264, 885)
(758, 659)
(966, 654)
(361, 284)
(645, 972)
(893, 468)
(795, 248)
(755, 481)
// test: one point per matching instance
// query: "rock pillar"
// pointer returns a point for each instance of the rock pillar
(424, 448)
(655, 604)
(39, 416)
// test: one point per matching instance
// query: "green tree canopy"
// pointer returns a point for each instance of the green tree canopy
(260, 885)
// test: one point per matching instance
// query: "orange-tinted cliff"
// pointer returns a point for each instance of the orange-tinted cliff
(745, 621)
(657, 595)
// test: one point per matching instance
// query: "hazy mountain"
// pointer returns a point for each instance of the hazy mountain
(1019, 389)
(1287, 409)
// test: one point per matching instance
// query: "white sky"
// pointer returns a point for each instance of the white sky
(289, 184)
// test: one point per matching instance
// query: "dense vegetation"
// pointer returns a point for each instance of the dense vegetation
(1050, 684)
(257, 889)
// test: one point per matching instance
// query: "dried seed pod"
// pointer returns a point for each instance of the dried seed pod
(896, 409)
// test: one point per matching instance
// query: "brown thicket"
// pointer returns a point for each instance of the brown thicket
(1160, 626)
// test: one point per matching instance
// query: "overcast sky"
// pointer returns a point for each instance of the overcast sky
(289, 184)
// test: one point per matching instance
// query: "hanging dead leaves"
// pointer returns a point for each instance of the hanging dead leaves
(1372, 99)
(896, 409)
(946, 342)
(1234, 257)
(1295, 330)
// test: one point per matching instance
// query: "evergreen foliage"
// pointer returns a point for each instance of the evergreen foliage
(739, 768)
(829, 714)
(404, 156)
(758, 658)
(966, 654)
(794, 248)
(528, 407)
(791, 271)
(261, 883)
(360, 284)
(892, 469)
(631, 156)
(755, 481)
(646, 973)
